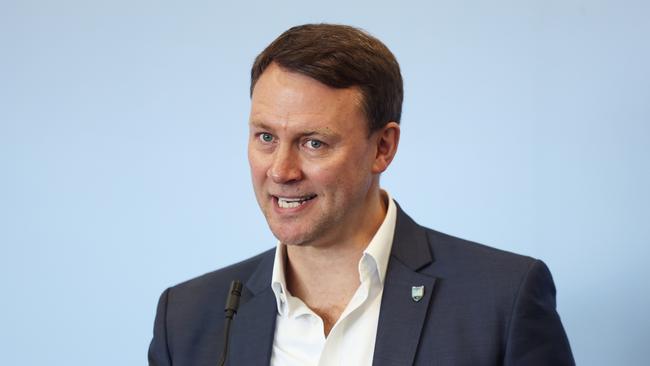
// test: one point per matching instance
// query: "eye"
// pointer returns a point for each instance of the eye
(314, 144)
(266, 137)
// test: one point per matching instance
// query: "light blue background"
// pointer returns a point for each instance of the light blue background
(526, 126)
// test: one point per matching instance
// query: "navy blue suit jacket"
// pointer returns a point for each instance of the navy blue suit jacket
(481, 306)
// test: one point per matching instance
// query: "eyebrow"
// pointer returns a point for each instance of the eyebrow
(323, 132)
(260, 125)
(309, 132)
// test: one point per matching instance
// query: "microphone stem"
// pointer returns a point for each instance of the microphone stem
(232, 304)
(226, 341)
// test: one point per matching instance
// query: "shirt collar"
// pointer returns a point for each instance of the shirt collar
(278, 281)
(375, 256)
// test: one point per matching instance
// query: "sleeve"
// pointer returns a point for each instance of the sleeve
(158, 349)
(535, 334)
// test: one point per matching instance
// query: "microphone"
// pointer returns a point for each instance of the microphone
(232, 304)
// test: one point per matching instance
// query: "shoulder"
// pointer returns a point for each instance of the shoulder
(189, 312)
(481, 273)
(432, 252)
(453, 254)
(462, 266)
(204, 289)
(487, 302)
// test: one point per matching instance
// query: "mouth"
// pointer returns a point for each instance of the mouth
(292, 202)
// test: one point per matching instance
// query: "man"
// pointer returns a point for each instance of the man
(353, 280)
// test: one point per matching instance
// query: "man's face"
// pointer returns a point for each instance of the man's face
(311, 158)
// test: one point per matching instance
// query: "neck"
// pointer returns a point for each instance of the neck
(326, 277)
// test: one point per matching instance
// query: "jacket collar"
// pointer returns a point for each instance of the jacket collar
(410, 243)
(253, 328)
(402, 315)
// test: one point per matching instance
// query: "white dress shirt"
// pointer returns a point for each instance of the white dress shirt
(299, 333)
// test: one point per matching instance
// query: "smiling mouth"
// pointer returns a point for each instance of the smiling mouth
(292, 202)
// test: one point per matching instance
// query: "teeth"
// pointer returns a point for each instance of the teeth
(291, 202)
(285, 204)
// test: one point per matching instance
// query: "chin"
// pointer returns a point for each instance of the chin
(291, 237)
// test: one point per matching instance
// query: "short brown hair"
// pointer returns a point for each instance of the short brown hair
(340, 56)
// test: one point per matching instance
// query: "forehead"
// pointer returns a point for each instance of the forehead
(284, 99)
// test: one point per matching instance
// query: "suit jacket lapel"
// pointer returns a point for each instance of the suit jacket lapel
(253, 327)
(401, 317)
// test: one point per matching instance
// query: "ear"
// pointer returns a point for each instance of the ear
(387, 139)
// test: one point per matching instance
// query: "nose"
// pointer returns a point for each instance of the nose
(285, 167)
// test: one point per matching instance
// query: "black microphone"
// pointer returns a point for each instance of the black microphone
(232, 304)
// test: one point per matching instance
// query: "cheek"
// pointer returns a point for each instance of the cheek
(337, 175)
(257, 171)
(257, 165)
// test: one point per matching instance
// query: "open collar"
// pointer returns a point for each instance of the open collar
(400, 319)
(376, 254)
